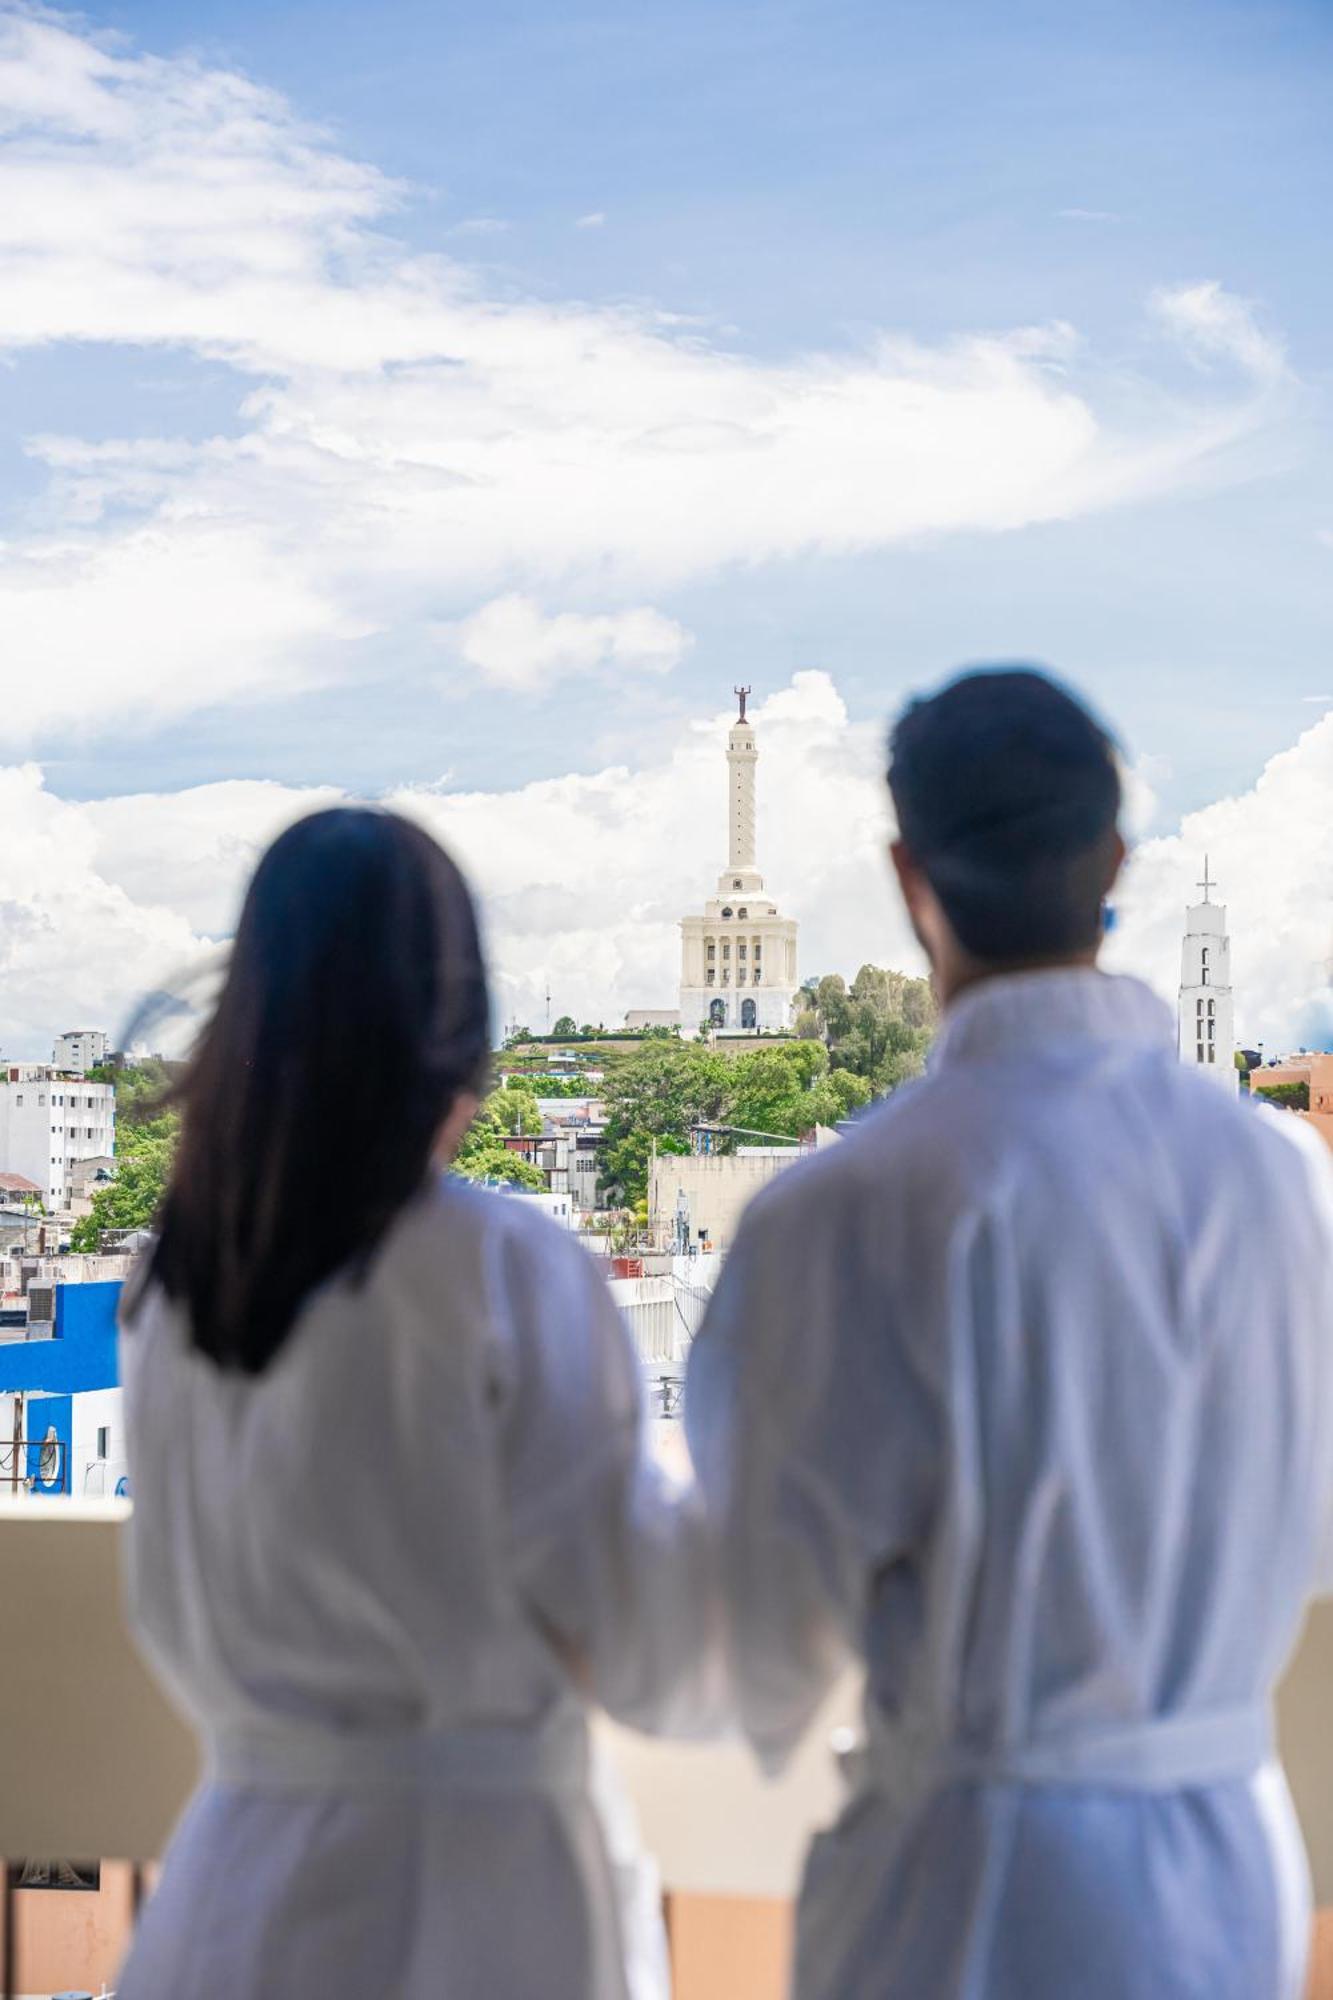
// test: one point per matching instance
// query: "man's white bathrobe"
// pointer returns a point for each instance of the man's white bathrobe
(382, 1577)
(1021, 1397)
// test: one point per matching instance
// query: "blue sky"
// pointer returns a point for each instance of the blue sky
(465, 397)
(796, 177)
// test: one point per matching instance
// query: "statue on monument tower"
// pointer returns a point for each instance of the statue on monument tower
(743, 694)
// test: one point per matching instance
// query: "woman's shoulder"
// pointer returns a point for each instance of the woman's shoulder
(455, 1211)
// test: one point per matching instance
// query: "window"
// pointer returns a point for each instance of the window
(710, 977)
(1212, 1008)
(726, 912)
(1198, 1008)
(742, 914)
(19, 1098)
(104, 1441)
(1212, 1054)
(1200, 1051)
(726, 947)
(740, 949)
(736, 883)
(41, 1099)
(740, 975)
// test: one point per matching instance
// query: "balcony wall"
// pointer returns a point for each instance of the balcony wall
(96, 1763)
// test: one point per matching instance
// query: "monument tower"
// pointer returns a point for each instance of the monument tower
(738, 959)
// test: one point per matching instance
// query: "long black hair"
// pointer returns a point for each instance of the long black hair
(353, 1016)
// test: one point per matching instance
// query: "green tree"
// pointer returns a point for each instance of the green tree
(880, 1030)
(141, 1088)
(1290, 1096)
(132, 1199)
(513, 1109)
(483, 1156)
(555, 1086)
(566, 1025)
(791, 1089)
(658, 1093)
(510, 1111)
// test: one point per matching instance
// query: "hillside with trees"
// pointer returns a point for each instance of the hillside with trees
(147, 1128)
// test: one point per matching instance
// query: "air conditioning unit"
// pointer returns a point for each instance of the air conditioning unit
(41, 1303)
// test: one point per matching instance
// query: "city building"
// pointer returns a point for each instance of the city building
(697, 1200)
(79, 1050)
(1301, 1083)
(639, 1018)
(61, 1428)
(738, 959)
(1207, 1011)
(49, 1121)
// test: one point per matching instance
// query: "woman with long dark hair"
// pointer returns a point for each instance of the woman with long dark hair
(394, 1524)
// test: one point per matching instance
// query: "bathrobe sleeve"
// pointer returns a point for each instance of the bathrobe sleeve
(611, 1551)
(813, 1452)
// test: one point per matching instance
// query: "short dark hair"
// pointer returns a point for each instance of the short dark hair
(354, 1014)
(1007, 792)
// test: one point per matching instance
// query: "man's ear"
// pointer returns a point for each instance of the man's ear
(908, 871)
(1115, 861)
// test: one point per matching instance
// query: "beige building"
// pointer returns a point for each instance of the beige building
(710, 1191)
(738, 959)
(1313, 1069)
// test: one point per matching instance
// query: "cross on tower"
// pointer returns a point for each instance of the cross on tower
(1207, 885)
(743, 693)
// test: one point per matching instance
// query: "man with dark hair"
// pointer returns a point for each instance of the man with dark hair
(1021, 1400)
(1007, 794)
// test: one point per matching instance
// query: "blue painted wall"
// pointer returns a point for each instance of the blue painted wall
(82, 1354)
(50, 1413)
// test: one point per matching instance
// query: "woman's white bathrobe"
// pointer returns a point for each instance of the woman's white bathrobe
(1021, 1397)
(382, 1577)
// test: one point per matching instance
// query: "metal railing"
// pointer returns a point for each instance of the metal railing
(34, 1465)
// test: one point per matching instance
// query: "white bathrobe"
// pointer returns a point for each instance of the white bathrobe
(1021, 1398)
(380, 1578)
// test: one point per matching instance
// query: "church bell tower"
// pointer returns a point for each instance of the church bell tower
(1207, 1009)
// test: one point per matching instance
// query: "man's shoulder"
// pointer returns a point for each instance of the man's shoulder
(890, 1141)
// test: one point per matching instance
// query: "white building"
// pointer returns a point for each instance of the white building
(48, 1121)
(1207, 1011)
(738, 960)
(80, 1049)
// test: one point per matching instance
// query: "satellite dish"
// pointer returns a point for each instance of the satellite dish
(48, 1458)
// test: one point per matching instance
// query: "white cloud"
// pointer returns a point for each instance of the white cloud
(72, 938)
(596, 220)
(583, 877)
(516, 645)
(1271, 850)
(409, 446)
(482, 225)
(1087, 215)
(1213, 326)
